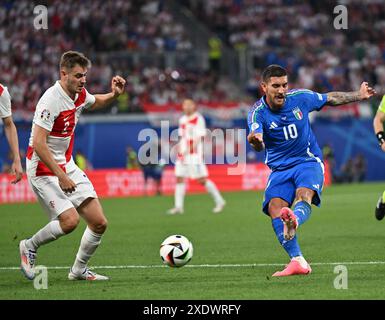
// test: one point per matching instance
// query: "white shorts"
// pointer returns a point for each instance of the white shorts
(192, 171)
(54, 200)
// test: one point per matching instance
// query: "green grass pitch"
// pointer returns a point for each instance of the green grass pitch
(235, 252)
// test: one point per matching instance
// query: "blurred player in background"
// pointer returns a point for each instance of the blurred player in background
(11, 133)
(190, 163)
(378, 124)
(63, 190)
(153, 169)
(279, 124)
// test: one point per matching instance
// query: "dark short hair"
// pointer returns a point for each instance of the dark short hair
(70, 59)
(273, 70)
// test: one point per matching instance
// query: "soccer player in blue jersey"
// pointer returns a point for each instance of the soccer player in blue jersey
(279, 124)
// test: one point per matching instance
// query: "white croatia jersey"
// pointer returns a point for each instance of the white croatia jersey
(192, 130)
(5, 102)
(57, 113)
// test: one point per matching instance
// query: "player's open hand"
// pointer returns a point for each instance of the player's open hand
(365, 91)
(16, 170)
(117, 85)
(66, 184)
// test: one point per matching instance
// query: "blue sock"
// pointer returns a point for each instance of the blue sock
(291, 246)
(302, 211)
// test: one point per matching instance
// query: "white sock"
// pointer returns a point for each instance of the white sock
(50, 232)
(212, 189)
(180, 190)
(89, 243)
(301, 261)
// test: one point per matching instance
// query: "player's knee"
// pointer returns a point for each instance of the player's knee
(69, 223)
(275, 210)
(100, 226)
(304, 195)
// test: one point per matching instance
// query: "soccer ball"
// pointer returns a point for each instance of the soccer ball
(176, 251)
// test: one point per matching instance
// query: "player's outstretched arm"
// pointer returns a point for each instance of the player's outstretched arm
(378, 125)
(11, 134)
(338, 98)
(256, 141)
(117, 88)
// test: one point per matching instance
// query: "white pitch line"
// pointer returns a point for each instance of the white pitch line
(247, 265)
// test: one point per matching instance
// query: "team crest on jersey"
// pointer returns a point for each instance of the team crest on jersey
(45, 114)
(298, 113)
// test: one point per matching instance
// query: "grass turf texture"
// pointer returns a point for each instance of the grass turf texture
(342, 230)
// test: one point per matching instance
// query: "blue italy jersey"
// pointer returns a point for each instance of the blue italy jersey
(287, 134)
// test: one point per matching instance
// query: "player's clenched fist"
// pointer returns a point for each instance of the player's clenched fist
(117, 85)
(256, 141)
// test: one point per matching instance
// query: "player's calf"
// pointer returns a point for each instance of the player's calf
(290, 223)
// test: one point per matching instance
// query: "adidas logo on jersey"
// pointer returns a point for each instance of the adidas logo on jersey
(273, 125)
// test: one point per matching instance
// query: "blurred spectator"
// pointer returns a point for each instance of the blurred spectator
(132, 159)
(215, 53)
(328, 155)
(359, 168)
(347, 172)
(81, 161)
(353, 170)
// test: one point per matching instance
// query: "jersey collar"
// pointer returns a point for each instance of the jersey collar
(64, 94)
(263, 99)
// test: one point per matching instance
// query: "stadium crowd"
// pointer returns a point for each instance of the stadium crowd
(300, 36)
(324, 59)
(29, 60)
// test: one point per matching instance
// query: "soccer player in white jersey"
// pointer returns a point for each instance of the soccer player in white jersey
(63, 190)
(11, 133)
(189, 162)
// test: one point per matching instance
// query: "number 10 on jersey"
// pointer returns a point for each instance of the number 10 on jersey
(290, 131)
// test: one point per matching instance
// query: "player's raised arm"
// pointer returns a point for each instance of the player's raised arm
(336, 98)
(103, 100)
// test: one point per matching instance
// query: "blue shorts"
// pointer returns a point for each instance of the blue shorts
(283, 184)
(152, 171)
